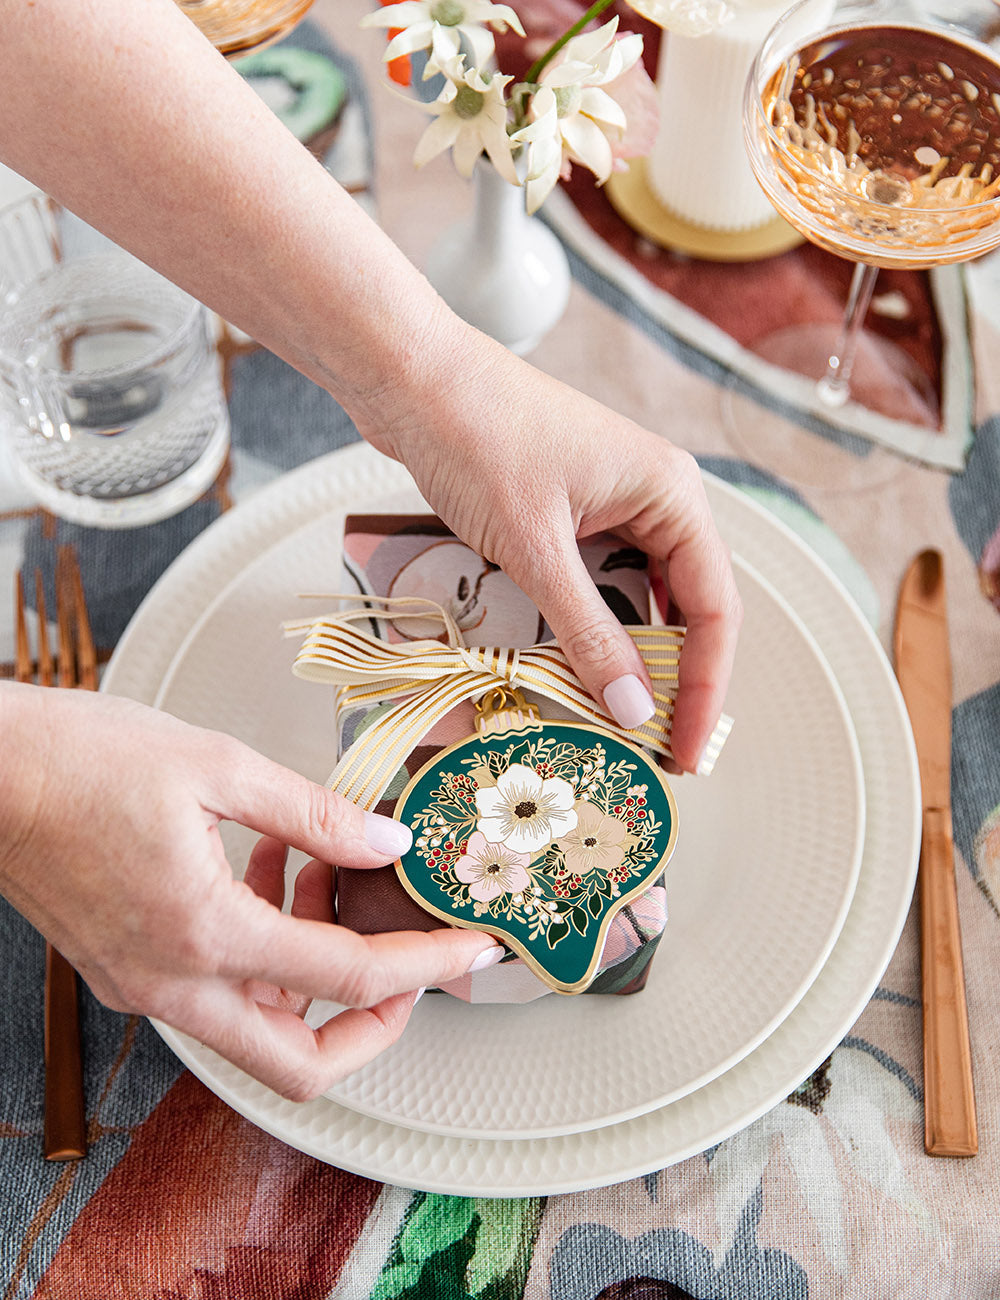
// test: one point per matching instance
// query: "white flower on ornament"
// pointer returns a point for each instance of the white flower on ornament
(573, 118)
(439, 25)
(685, 17)
(524, 812)
(470, 116)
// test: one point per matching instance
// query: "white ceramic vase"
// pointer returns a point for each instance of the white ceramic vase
(499, 269)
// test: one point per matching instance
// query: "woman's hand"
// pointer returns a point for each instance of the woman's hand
(110, 846)
(520, 466)
(516, 463)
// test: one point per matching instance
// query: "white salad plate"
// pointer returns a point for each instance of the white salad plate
(758, 888)
(833, 647)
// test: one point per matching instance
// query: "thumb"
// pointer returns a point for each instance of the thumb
(600, 651)
(275, 801)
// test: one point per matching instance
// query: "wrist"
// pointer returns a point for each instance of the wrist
(421, 358)
(418, 393)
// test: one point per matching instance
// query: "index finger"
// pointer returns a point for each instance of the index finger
(328, 961)
(701, 584)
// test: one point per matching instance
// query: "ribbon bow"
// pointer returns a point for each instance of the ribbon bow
(434, 677)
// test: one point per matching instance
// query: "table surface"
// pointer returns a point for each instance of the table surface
(829, 1194)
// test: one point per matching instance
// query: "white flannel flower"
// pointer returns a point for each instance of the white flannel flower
(524, 812)
(686, 17)
(572, 111)
(470, 116)
(545, 149)
(439, 25)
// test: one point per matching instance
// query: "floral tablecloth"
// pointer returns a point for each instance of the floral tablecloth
(827, 1195)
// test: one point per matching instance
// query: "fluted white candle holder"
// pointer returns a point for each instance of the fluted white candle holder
(695, 192)
(698, 166)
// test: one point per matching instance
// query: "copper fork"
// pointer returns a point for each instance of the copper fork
(75, 665)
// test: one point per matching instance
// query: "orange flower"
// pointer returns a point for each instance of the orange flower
(399, 70)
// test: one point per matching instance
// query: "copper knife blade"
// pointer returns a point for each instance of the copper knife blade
(923, 667)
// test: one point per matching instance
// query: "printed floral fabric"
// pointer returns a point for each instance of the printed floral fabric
(826, 1196)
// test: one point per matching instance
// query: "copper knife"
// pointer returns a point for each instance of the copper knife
(923, 667)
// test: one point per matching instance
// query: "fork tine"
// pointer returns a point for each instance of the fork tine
(86, 653)
(64, 622)
(46, 668)
(23, 666)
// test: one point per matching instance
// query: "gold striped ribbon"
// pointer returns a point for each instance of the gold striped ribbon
(435, 676)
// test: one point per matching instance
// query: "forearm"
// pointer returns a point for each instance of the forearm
(25, 758)
(129, 117)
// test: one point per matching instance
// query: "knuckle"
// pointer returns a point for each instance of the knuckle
(685, 467)
(593, 643)
(684, 472)
(362, 986)
(394, 1016)
(221, 751)
(325, 815)
(300, 1086)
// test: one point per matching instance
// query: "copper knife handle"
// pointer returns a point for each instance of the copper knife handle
(65, 1133)
(949, 1095)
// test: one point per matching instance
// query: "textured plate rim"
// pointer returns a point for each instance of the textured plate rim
(557, 1165)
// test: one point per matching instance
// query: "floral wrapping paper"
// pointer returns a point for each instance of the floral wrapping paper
(413, 555)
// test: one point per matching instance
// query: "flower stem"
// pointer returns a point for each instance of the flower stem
(598, 7)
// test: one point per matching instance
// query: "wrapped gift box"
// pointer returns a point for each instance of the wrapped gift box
(405, 556)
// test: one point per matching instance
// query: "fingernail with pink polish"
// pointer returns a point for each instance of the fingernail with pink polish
(483, 960)
(628, 701)
(385, 836)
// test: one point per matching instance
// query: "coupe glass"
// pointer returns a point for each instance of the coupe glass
(873, 127)
(238, 26)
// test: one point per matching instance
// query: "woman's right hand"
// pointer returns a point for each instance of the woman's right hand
(110, 846)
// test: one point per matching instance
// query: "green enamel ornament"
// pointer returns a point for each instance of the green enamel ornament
(538, 832)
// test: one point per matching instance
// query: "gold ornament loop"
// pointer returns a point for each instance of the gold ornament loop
(504, 708)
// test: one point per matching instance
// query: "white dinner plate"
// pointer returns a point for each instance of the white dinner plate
(758, 887)
(592, 1157)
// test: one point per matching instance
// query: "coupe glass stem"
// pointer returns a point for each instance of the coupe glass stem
(834, 387)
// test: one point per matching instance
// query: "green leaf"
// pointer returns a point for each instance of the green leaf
(556, 931)
(506, 1234)
(580, 919)
(395, 1280)
(435, 1224)
(594, 904)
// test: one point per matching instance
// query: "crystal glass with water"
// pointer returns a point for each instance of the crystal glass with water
(110, 393)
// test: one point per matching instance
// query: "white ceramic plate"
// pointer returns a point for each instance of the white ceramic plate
(593, 1157)
(758, 887)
